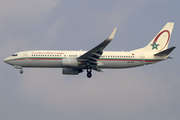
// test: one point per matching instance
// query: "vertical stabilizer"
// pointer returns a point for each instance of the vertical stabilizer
(160, 41)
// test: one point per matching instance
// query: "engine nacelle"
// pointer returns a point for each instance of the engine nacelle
(71, 71)
(69, 62)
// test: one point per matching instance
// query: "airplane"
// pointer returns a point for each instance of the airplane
(75, 62)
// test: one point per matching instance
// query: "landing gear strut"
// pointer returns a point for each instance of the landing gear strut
(21, 71)
(89, 70)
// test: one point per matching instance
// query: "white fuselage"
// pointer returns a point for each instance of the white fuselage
(73, 62)
(52, 59)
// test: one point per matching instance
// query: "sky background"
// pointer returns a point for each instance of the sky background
(142, 93)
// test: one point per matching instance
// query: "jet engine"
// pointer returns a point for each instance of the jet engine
(69, 62)
(71, 71)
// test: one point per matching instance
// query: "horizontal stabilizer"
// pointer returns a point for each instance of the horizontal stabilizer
(165, 52)
(170, 58)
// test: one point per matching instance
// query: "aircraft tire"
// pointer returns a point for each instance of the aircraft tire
(21, 71)
(89, 75)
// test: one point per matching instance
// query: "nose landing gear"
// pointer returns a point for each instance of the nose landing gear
(21, 71)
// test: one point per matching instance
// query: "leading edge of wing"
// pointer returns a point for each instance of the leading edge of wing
(99, 47)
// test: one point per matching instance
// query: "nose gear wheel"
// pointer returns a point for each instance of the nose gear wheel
(21, 71)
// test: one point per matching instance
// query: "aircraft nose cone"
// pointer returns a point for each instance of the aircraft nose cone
(6, 60)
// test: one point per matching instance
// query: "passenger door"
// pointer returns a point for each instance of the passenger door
(142, 57)
(25, 59)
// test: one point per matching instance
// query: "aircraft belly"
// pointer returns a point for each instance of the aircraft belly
(121, 64)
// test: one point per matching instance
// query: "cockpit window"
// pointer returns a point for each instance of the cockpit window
(14, 54)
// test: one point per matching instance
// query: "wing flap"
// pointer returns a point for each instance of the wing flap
(96, 54)
(93, 58)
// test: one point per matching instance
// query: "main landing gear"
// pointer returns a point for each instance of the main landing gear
(21, 71)
(89, 70)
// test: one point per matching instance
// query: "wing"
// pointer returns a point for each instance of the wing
(92, 56)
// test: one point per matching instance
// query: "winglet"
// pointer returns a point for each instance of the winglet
(112, 34)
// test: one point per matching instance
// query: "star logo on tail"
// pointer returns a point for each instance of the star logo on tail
(154, 46)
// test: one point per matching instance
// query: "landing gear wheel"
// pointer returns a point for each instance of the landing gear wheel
(88, 69)
(89, 75)
(21, 71)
